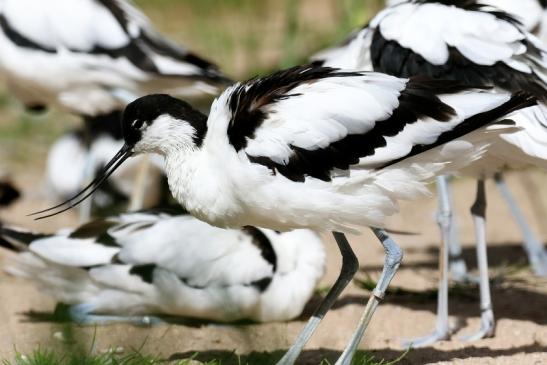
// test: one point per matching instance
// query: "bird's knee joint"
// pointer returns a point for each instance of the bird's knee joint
(351, 266)
(479, 209)
(444, 217)
(394, 256)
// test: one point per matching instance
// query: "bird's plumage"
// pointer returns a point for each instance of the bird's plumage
(475, 44)
(318, 147)
(158, 263)
(311, 146)
(86, 55)
(461, 40)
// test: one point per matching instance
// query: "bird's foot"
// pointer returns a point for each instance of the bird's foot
(487, 329)
(81, 314)
(459, 273)
(538, 262)
(436, 336)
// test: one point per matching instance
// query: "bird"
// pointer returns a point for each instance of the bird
(313, 147)
(135, 266)
(92, 57)
(478, 45)
(84, 151)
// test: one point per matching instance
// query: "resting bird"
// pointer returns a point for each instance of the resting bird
(479, 46)
(313, 147)
(125, 267)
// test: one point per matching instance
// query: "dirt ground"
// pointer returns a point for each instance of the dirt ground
(520, 300)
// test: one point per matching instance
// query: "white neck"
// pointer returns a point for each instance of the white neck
(201, 187)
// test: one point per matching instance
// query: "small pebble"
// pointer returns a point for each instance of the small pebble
(60, 336)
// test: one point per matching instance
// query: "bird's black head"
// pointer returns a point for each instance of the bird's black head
(140, 115)
(154, 123)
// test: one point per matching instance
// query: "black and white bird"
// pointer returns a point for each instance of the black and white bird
(477, 45)
(91, 58)
(84, 151)
(136, 265)
(313, 147)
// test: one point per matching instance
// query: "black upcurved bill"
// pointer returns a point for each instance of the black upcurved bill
(123, 154)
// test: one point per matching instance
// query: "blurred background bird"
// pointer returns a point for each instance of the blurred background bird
(137, 265)
(90, 58)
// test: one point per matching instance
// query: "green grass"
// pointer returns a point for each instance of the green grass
(112, 357)
(49, 357)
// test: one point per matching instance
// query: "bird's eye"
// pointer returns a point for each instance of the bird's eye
(137, 124)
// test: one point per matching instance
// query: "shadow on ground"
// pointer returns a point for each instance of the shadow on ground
(508, 254)
(315, 357)
(464, 298)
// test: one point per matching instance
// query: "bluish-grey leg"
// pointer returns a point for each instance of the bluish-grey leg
(444, 217)
(350, 265)
(537, 255)
(82, 314)
(393, 258)
(478, 210)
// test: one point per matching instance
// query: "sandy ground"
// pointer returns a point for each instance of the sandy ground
(520, 300)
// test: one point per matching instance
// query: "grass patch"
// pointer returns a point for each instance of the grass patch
(50, 357)
(113, 357)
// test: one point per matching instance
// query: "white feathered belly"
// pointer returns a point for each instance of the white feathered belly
(347, 203)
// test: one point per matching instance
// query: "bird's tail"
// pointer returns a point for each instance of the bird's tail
(70, 285)
(17, 239)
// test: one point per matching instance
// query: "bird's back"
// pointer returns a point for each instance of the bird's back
(89, 56)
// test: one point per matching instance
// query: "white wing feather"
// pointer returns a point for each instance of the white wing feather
(325, 111)
(480, 37)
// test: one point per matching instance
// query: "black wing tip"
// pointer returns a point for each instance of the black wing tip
(22, 238)
(521, 100)
(443, 86)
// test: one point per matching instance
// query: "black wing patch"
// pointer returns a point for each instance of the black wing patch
(145, 272)
(21, 238)
(249, 101)
(517, 101)
(19, 39)
(392, 58)
(418, 100)
(262, 242)
(93, 229)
